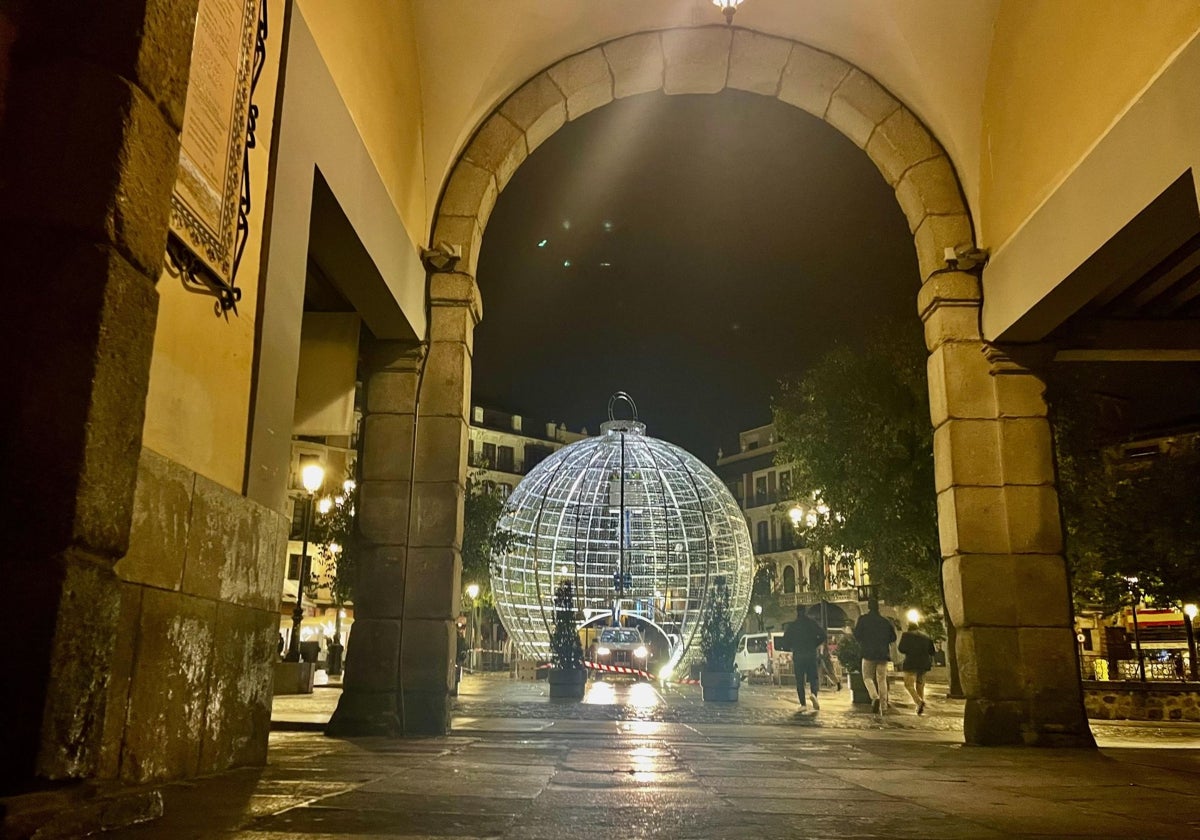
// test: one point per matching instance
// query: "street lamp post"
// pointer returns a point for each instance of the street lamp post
(1189, 615)
(473, 594)
(758, 612)
(312, 476)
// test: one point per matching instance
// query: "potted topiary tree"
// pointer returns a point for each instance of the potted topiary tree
(850, 655)
(567, 677)
(719, 679)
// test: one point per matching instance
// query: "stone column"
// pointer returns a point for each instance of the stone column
(1001, 536)
(433, 583)
(93, 103)
(370, 704)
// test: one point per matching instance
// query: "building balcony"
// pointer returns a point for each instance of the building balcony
(812, 596)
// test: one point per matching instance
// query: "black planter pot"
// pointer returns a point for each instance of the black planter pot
(567, 683)
(859, 689)
(720, 686)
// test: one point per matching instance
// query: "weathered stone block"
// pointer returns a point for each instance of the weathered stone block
(537, 108)
(447, 387)
(148, 41)
(380, 583)
(1033, 519)
(1026, 451)
(230, 549)
(169, 692)
(442, 449)
(935, 235)
(120, 678)
(472, 191)
(106, 174)
(426, 712)
(858, 105)
(391, 391)
(696, 60)
(989, 723)
(952, 322)
(971, 520)
(237, 715)
(585, 81)
(453, 323)
(438, 511)
(636, 63)
(989, 663)
(929, 188)
(967, 452)
(1020, 395)
(383, 511)
(76, 441)
(960, 383)
(498, 147)
(951, 288)
(162, 506)
(810, 78)
(1005, 590)
(365, 713)
(463, 231)
(387, 447)
(429, 654)
(756, 62)
(373, 656)
(899, 143)
(456, 290)
(435, 575)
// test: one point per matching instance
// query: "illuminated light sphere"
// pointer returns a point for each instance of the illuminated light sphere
(644, 530)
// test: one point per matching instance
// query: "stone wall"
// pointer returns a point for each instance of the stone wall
(1141, 701)
(190, 690)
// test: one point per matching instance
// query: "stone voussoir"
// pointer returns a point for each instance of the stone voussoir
(636, 63)
(899, 143)
(858, 105)
(929, 188)
(538, 108)
(471, 191)
(756, 62)
(499, 147)
(585, 80)
(696, 60)
(810, 77)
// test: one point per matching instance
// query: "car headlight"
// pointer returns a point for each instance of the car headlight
(603, 651)
(640, 652)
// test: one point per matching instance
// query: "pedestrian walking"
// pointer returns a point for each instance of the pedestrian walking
(918, 653)
(804, 637)
(875, 635)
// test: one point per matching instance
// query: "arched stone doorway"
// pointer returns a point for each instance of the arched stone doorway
(789, 579)
(1000, 534)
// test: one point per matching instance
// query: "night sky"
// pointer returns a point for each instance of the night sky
(697, 249)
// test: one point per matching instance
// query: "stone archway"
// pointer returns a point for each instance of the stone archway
(1001, 538)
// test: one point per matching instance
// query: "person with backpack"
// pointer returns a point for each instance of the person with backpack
(804, 637)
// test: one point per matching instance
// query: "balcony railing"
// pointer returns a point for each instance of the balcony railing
(810, 597)
(777, 544)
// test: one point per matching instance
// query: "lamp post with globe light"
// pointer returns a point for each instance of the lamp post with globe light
(758, 612)
(1189, 615)
(473, 594)
(312, 476)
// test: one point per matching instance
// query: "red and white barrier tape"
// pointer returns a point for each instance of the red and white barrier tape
(621, 669)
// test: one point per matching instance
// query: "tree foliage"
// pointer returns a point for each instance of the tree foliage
(1122, 520)
(856, 428)
(718, 633)
(566, 650)
(336, 541)
(482, 539)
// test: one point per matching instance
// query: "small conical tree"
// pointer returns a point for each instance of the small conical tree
(565, 649)
(718, 633)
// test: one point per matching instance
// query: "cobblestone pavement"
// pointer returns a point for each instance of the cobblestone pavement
(633, 762)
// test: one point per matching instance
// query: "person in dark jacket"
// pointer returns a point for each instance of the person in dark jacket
(918, 653)
(804, 637)
(875, 635)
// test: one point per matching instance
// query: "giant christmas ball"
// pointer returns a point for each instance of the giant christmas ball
(644, 530)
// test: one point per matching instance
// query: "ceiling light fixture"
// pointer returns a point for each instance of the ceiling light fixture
(728, 8)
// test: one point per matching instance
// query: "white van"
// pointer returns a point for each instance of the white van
(753, 653)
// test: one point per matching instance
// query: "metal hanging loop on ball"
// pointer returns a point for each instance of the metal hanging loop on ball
(612, 404)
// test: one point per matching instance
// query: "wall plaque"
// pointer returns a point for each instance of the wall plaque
(211, 202)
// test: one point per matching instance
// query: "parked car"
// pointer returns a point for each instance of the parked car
(622, 646)
(754, 652)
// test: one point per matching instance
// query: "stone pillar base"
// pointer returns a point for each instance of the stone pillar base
(996, 723)
(426, 712)
(365, 713)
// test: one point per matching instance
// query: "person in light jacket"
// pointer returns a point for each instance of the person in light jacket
(918, 653)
